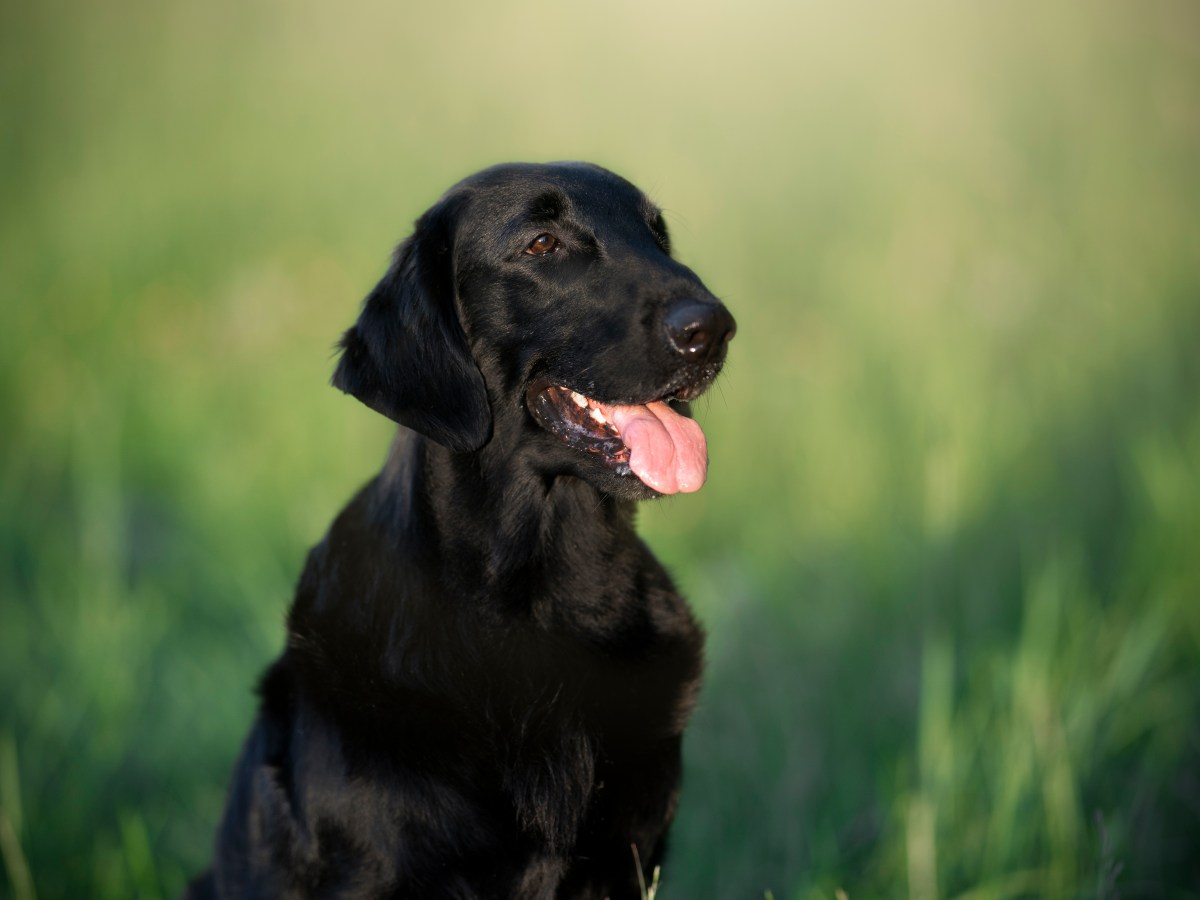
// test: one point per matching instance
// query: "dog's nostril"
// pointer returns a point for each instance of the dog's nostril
(692, 340)
(696, 327)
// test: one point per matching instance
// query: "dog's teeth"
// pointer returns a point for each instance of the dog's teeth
(599, 417)
(580, 400)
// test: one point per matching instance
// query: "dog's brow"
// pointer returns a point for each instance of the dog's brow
(547, 206)
(659, 225)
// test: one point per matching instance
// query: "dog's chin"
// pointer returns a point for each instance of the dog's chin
(605, 480)
(629, 449)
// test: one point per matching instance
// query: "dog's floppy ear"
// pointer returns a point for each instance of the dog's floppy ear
(407, 356)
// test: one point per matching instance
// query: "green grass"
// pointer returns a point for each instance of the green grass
(947, 556)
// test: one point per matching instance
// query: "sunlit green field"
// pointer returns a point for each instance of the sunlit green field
(949, 553)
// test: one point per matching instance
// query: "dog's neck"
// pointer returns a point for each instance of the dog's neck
(488, 519)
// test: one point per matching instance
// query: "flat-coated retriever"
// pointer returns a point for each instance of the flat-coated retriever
(487, 673)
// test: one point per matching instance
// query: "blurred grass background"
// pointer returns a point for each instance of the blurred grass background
(948, 554)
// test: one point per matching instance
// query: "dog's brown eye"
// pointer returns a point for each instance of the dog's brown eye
(542, 244)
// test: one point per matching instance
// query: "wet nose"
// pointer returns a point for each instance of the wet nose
(699, 328)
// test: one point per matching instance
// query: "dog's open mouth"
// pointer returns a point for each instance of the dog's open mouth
(662, 447)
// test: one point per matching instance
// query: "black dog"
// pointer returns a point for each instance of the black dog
(487, 673)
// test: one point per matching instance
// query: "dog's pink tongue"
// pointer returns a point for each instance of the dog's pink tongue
(666, 450)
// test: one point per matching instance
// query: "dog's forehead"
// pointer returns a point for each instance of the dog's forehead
(547, 192)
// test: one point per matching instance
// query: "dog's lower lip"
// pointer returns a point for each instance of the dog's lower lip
(578, 421)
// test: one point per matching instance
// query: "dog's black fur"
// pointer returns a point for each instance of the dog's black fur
(487, 673)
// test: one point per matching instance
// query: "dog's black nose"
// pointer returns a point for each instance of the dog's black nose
(699, 328)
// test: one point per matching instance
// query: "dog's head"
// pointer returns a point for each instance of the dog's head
(539, 306)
